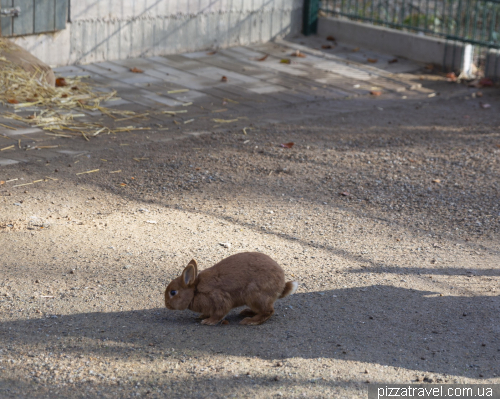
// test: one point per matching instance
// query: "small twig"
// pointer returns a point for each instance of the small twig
(132, 117)
(88, 171)
(8, 127)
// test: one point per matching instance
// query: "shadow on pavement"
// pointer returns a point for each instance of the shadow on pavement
(382, 325)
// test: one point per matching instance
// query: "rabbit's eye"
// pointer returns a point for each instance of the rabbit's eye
(173, 293)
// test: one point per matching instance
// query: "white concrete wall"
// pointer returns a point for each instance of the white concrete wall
(394, 42)
(116, 29)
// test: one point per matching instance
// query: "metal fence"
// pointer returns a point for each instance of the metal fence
(469, 21)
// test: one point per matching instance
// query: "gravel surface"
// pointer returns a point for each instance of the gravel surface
(388, 218)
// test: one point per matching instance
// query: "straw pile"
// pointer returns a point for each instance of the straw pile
(57, 106)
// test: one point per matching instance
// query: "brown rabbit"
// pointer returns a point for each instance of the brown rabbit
(248, 278)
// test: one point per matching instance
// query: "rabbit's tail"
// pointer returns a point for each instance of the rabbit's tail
(290, 289)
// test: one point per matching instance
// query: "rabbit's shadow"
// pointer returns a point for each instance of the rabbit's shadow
(378, 324)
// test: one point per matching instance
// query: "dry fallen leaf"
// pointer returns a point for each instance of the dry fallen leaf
(429, 67)
(327, 46)
(498, 145)
(486, 82)
(2, 182)
(297, 53)
(372, 60)
(376, 93)
(61, 82)
(263, 58)
(436, 181)
(136, 70)
(330, 38)
(451, 77)
(225, 322)
(224, 79)
(392, 61)
(13, 101)
(285, 61)
(345, 194)
(354, 50)
(287, 145)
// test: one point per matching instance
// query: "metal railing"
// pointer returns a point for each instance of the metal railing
(470, 21)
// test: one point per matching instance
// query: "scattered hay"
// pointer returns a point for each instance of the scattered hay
(59, 105)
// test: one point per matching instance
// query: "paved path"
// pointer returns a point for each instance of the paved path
(235, 84)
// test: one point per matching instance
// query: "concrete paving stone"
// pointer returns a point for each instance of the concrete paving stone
(138, 78)
(229, 63)
(161, 64)
(265, 76)
(7, 161)
(145, 102)
(246, 52)
(159, 72)
(166, 91)
(183, 78)
(264, 88)
(309, 87)
(312, 63)
(161, 99)
(240, 95)
(238, 80)
(96, 75)
(71, 70)
(179, 61)
(342, 51)
(129, 63)
(233, 101)
(217, 73)
(112, 67)
(96, 68)
(200, 54)
(191, 96)
(274, 64)
(287, 96)
(113, 103)
(378, 70)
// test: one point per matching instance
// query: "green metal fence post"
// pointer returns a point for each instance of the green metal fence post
(310, 20)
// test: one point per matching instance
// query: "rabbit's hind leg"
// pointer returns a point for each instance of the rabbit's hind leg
(247, 313)
(262, 310)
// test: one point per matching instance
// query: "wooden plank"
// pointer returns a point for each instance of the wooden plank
(24, 24)
(45, 16)
(61, 14)
(6, 22)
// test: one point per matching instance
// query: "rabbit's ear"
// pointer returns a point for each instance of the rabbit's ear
(195, 265)
(189, 275)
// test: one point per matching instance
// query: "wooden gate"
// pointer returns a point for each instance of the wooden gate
(28, 17)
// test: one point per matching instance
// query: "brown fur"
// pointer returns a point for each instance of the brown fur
(250, 278)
